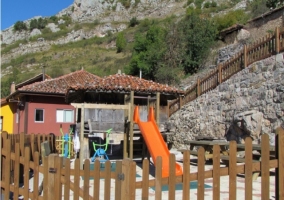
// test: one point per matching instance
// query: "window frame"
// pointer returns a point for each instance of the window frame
(42, 115)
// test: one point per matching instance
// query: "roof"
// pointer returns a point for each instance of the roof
(34, 79)
(125, 83)
(61, 84)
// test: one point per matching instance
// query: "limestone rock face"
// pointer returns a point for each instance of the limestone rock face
(249, 104)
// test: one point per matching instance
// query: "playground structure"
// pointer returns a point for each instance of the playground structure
(155, 142)
(64, 144)
(128, 132)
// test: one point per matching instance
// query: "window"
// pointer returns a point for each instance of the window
(39, 115)
(64, 116)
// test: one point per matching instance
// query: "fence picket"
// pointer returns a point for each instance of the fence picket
(118, 170)
(265, 156)
(67, 179)
(200, 176)
(26, 172)
(279, 149)
(57, 184)
(36, 174)
(216, 174)
(107, 177)
(96, 174)
(17, 171)
(45, 180)
(172, 177)
(76, 179)
(86, 178)
(145, 180)
(7, 167)
(186, 176)
(232, 170)
(158, 179)
(248, 168)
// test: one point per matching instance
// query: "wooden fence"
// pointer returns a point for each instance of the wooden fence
(261, 49)
(62, 179)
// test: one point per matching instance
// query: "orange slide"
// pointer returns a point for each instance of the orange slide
(154, 141)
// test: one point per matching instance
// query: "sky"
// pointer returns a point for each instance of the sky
(21, 10)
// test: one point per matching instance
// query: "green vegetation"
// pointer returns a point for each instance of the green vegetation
(231, 18)
(39, 23)
(20, 26)
(120, 42)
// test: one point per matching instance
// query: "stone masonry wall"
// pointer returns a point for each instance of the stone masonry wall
(250, 103)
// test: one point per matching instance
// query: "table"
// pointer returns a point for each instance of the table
(208, 147)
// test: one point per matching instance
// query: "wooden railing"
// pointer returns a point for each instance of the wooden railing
(261, 49)
(66, 180)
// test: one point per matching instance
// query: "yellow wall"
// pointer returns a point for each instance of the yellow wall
(7, 115)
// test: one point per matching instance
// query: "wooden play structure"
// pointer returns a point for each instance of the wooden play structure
(128, 122)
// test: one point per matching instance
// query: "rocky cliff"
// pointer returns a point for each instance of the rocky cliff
(250, 103)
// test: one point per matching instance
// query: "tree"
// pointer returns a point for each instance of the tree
(197, 35)
(148, 52)
(120, 42)
(19, 26)
(33, 24)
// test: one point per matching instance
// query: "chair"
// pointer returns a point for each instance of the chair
(100, 149)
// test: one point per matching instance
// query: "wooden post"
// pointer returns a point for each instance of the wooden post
(279, 150)
(128, 178)
(198, 87)
(168, 109)
(277, 40)
(81, 154)
(245, 56)
(180, 102)
(157, 111)
(126, 125)
(220, 73)
(131, 124)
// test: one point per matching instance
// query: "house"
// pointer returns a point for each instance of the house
(40, 107)
(9, 107)
(6, 117)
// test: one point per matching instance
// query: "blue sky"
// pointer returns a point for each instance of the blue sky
(20, 10)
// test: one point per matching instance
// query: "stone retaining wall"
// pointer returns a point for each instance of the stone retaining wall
(250, 103)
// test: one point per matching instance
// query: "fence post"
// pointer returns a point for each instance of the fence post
(277, 40)
(128, 177)
(279, 150)
(220, 73)
(245, 56)
(198, 87)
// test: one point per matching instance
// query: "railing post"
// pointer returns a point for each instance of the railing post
(180, 102)
(220, 73)
(245, 56)
(277, 40)
(198, 87)
(168, 109)
(128, 177)
(279, 150)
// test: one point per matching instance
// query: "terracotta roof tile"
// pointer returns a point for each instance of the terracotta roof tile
(61, 84)
(122, 82)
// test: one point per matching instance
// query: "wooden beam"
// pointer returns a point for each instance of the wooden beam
(157, 108)
(101, 106)
(82, 135)
(131, 124)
